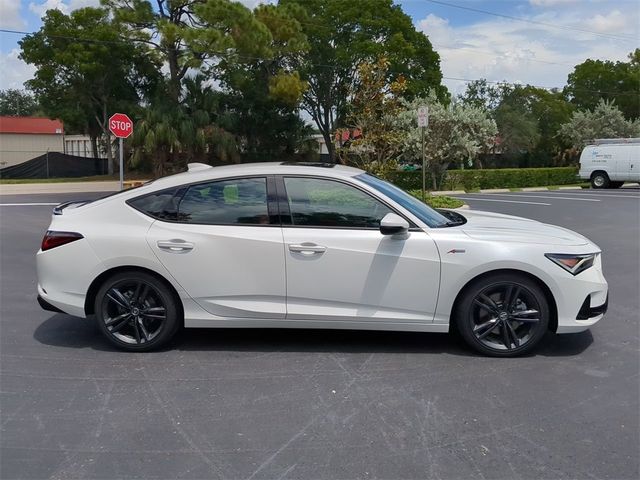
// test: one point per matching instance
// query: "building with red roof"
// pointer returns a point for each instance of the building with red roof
(24, 138)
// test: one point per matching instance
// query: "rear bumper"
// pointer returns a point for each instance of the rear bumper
(47, 306)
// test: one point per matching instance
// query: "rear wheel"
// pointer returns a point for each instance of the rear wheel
(136, 311)
(600, 180)
(503, 315)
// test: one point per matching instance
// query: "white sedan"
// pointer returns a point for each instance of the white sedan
(283, 245)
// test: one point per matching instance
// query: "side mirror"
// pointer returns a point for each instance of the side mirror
(393, 224)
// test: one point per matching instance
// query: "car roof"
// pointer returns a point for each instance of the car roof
(202, 173)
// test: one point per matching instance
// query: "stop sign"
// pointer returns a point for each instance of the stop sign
(120, 125)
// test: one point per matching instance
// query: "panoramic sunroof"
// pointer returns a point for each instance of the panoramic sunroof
(310, 164)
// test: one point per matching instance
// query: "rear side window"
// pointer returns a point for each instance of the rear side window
(241, 201)
(160, 204)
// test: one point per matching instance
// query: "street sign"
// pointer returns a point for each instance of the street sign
(423, 116)
(120, 125)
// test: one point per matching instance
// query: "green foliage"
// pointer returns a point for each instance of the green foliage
(84, 70)
(596, 80)
(438, 201)
(456, 134)
(528, 119)
(166, 138)
(342, 34)
(518, 128)
(162, 27)
(491, 178)
(17, 103)
(376, 104)
(605, 121)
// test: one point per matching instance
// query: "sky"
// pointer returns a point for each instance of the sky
(542, 51)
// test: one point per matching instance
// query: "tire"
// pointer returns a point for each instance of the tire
(502, 315)
(136, 312)
(615, 184)
(599, 180)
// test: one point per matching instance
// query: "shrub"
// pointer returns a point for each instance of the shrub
(493, 178)
(438, 201)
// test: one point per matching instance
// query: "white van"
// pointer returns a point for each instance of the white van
(609, 162)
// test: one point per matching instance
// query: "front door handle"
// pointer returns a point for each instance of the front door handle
(307, 248)
(175, 245)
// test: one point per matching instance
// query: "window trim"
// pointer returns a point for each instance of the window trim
(272, 211)
(285, 212)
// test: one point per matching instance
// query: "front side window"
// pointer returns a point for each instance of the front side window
(425, 213)
(315, 202)
(241, 201)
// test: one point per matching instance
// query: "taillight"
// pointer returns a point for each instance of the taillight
(55, 239)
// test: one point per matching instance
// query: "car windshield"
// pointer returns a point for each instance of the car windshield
(425, 213)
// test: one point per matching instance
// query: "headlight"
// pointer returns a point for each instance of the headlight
(572, 263)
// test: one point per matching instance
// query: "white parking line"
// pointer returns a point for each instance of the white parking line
(28, 204)
(502, 201)
(516, 194)
(598, 195)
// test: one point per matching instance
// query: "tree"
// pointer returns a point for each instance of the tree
(85, 72)
(456, 134)
(17, 103)
(372, 114)
(260, 91)
(342, 34)
(167, 137)
(162, 26)
(595, 80)
(482, 94)
(528, 118)
(604, 121)
(518, 129)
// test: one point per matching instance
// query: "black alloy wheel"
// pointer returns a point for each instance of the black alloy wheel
(503, 316)
(136, 311)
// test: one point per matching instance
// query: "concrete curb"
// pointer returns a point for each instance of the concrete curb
(70, 187)
(534, 189)
(495, 190)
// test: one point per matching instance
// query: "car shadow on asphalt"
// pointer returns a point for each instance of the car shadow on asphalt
(65, 331)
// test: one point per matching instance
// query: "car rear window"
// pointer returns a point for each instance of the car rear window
(161, 205)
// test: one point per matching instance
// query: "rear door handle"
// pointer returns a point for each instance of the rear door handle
(307, 248)
(176, 245)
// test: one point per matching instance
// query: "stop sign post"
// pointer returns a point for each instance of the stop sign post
(121, 126)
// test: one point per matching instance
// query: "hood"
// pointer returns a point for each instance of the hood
(507, 228)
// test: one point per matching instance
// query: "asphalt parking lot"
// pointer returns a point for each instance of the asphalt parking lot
(323, 404)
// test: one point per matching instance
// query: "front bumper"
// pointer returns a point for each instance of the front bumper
(582, 300)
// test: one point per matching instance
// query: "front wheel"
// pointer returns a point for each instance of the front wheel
(503, 315)
(136, 311)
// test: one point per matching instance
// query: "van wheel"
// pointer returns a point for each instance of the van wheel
(600, 180)
(616, 184)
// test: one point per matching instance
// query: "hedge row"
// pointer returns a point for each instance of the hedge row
(491, 178)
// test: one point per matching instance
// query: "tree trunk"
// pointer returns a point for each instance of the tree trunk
(174, 79)
(94, 145)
